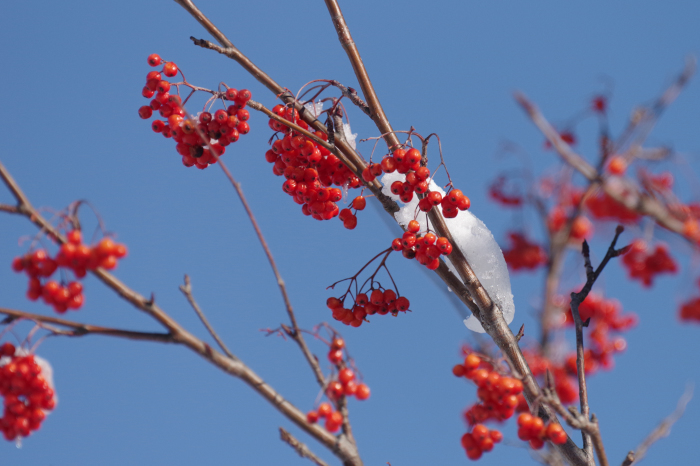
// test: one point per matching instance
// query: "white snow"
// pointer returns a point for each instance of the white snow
(349, 136)
(317, 107)
(476, 242)
(314, 107)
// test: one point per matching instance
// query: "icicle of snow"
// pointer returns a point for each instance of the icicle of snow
(476, 242)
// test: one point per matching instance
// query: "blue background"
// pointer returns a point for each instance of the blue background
(71, 79)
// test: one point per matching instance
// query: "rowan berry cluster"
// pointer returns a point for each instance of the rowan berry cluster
(564, 384)
(426, 249)
(344, 385)
(532, 429)
(378, 302)
(195, 137)
(417, 181)
(497, 192)
(27, 394)
(480, 440)
(643, 264)
(605, 318)
(310, 170)
(499, 396)
(690, 311)
(581, 228)
(604, 207)
(523, 254)
(73, 255)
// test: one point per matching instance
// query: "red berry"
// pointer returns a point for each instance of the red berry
(154, 59)
(145, 112)
(312, 417)
(170, 69)
(362, 392)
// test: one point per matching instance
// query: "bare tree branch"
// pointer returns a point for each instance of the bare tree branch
(662, 430)
(300, 448)
(79, 329)
(576, 300)
(186, 290)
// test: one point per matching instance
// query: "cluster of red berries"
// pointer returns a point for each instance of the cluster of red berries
(580, 229)
(344, 385)
(532, 429)
(378, 302)
(642, 264)
(27, 394)
(220, 129)
(497, 192)
(690, 311)
(480, 440)
(604, 207)
(564, 384)
(426, 249)
(408, 162)
(73, 255)
(605, 317)
(310, 170)
(524, 254)
(334, 419)
(499, 396)
(348, 217)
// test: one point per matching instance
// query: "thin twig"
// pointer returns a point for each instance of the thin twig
(10, 209)
(186, 290)
(576, 300)
(662, 430)
(375, 111)
(300, 448)
(79, 329)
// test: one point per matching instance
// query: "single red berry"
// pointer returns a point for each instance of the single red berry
(338, 343)
(362, 392)
(170, 69)
(413, 226)
(324, 409)
(145, 112)
(7, 349)
(231, 93)
(312, 417)
(154, 59)
(346, 375)
(402, 304)
(359, 203)
(434, 197)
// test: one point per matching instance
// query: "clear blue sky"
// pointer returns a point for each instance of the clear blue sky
(71, 78)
